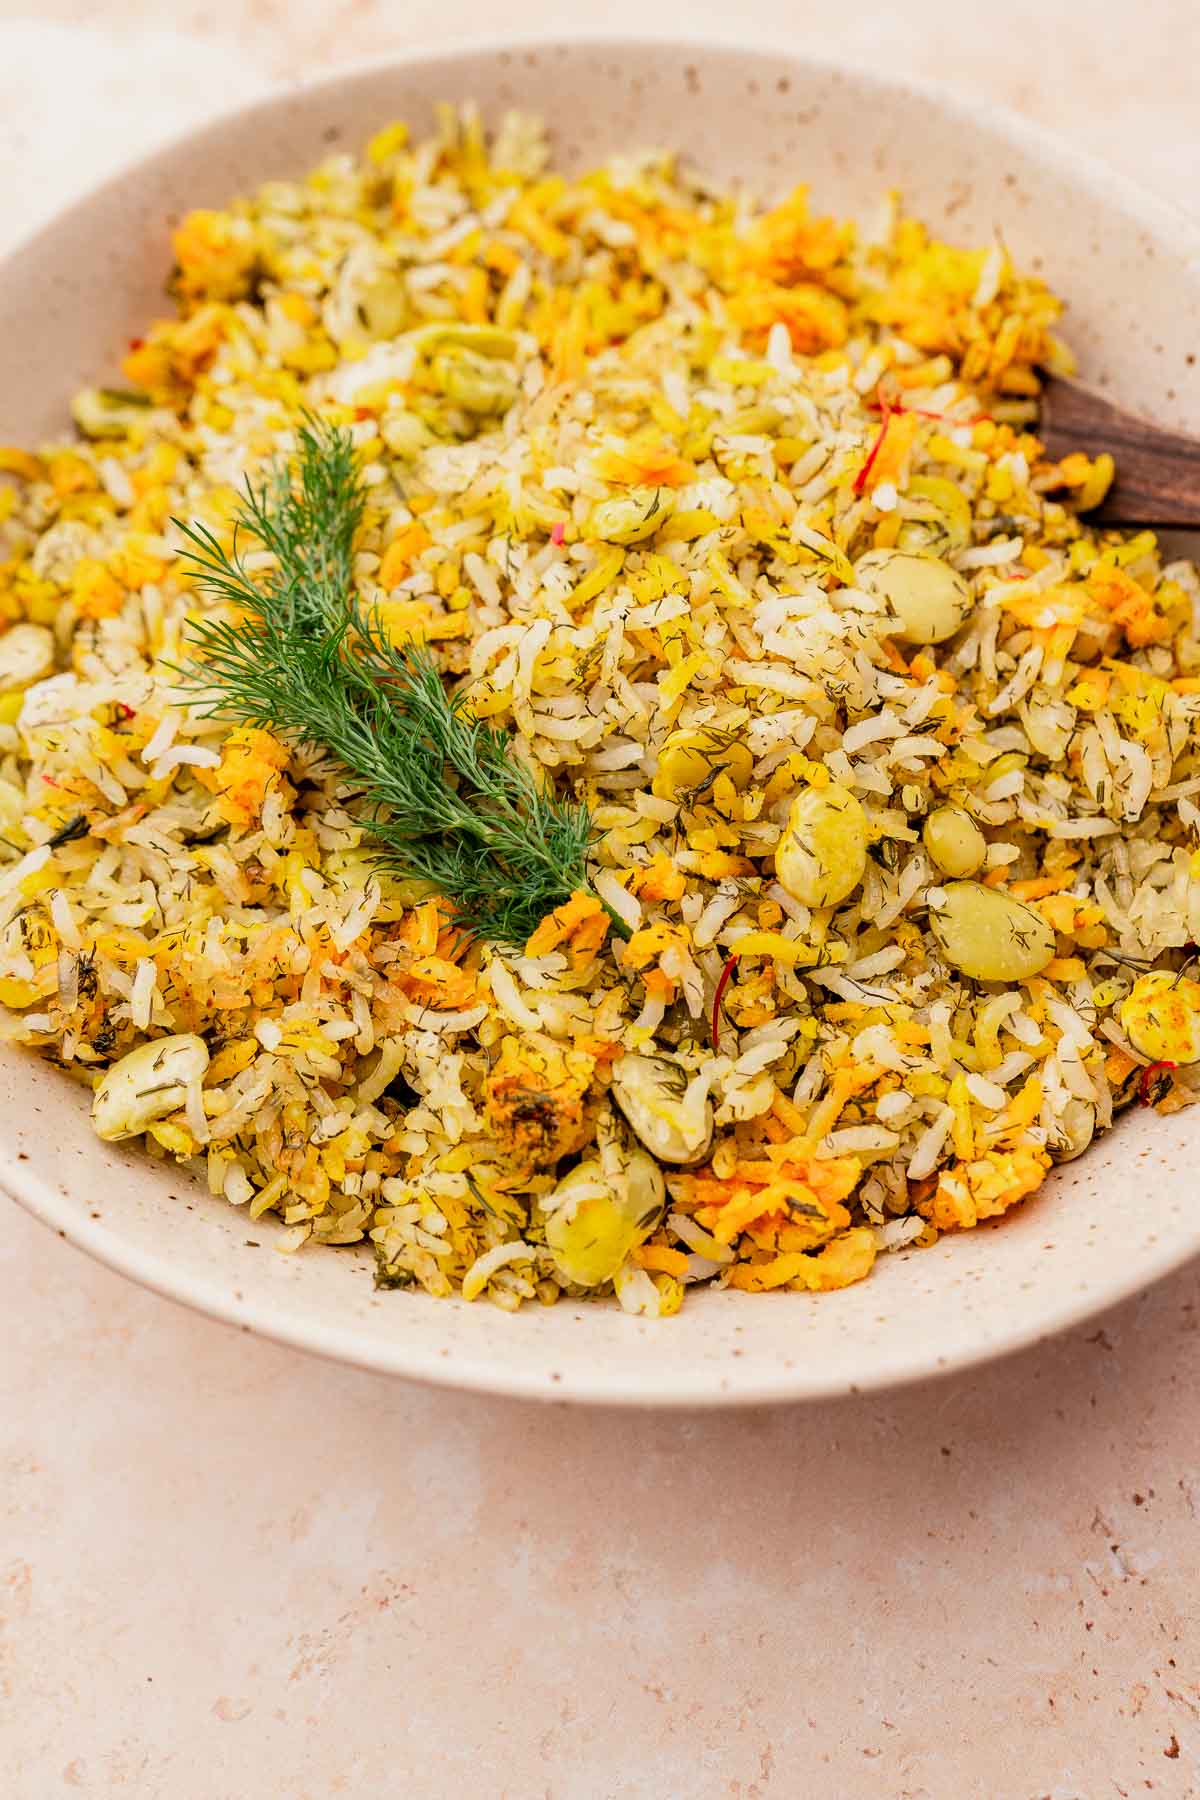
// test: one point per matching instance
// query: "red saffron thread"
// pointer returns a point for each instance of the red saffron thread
(558, 535)
(1146, 1075)
(864, 474)
(722, 984)
(923, 412)
(898, 406)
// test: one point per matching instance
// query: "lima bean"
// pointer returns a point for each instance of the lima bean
(928, 598)
(597, 1222)
(990, 936)
(671, 1116)
(822, 855)
(147, 1084)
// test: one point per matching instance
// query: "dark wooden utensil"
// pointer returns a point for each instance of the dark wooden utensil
(1158, 472)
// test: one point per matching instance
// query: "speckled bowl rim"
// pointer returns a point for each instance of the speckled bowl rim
(486, 1370)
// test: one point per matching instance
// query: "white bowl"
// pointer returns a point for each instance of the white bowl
(1125, 1214)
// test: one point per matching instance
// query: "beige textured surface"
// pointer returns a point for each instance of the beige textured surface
(1104, 1227)
(227, 1571)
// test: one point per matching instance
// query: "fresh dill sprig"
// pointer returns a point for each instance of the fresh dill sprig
(445, 797)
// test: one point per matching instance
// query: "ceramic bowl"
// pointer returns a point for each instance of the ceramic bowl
(1124, 1214)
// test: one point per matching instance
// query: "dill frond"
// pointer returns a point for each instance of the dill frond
(443, 794)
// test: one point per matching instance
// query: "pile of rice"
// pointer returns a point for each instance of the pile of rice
(627, 438)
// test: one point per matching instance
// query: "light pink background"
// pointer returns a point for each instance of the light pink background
(230, 1573)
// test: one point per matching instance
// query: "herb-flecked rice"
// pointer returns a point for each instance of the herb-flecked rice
(735, 522)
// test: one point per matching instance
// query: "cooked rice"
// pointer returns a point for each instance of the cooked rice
(711, 373)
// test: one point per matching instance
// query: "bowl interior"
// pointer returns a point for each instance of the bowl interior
(1103, 1226)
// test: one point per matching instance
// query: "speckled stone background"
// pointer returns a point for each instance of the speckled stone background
(231, 1573)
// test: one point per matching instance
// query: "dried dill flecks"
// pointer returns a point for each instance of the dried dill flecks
(74, 828)
(444, 796)
(390, 1275)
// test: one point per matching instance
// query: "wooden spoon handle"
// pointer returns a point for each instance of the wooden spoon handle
(1158, 471)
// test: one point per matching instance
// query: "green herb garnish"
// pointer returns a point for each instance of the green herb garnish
(445, 797)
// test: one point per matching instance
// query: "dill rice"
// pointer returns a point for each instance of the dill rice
(565, 730)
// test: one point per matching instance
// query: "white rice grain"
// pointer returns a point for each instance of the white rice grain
(924, 1158)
